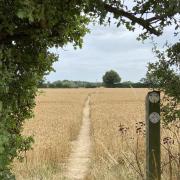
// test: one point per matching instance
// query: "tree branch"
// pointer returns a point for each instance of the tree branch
(144, 23)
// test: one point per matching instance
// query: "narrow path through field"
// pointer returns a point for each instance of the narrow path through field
(79, 159)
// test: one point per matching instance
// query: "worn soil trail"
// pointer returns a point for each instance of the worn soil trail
(78, 163)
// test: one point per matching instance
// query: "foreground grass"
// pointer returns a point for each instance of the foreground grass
(57, 121)
(117, 135)
(113, 109)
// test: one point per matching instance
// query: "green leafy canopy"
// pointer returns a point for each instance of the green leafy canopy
(165, 74)
(29, 28)
(110, 78)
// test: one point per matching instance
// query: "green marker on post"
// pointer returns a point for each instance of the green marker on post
(153, 157)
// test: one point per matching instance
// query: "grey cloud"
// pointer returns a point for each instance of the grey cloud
(106, 48)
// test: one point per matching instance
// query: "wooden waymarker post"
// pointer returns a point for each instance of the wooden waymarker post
(153, 136)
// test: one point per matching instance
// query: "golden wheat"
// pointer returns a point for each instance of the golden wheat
(57, 122)
(112, 108)
(117, 135)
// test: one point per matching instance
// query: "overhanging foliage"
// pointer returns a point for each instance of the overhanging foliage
(29, 27)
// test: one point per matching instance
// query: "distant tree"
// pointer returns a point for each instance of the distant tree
(42, 83)
(57, 84)
(145, 81)
(111, 78)
(127, 83)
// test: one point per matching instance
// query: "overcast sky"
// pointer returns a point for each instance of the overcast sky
(107, 48)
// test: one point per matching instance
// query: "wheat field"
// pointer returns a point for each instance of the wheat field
(57, 121)
(117, 135)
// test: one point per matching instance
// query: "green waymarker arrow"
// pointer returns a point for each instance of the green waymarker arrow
(153, 136)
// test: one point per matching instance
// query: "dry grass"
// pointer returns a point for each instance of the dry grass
(117, 154)
(57, 121)
(110, 108)
(118, 134)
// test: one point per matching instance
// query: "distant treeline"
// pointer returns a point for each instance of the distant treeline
(69, 84)
(84, 84)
